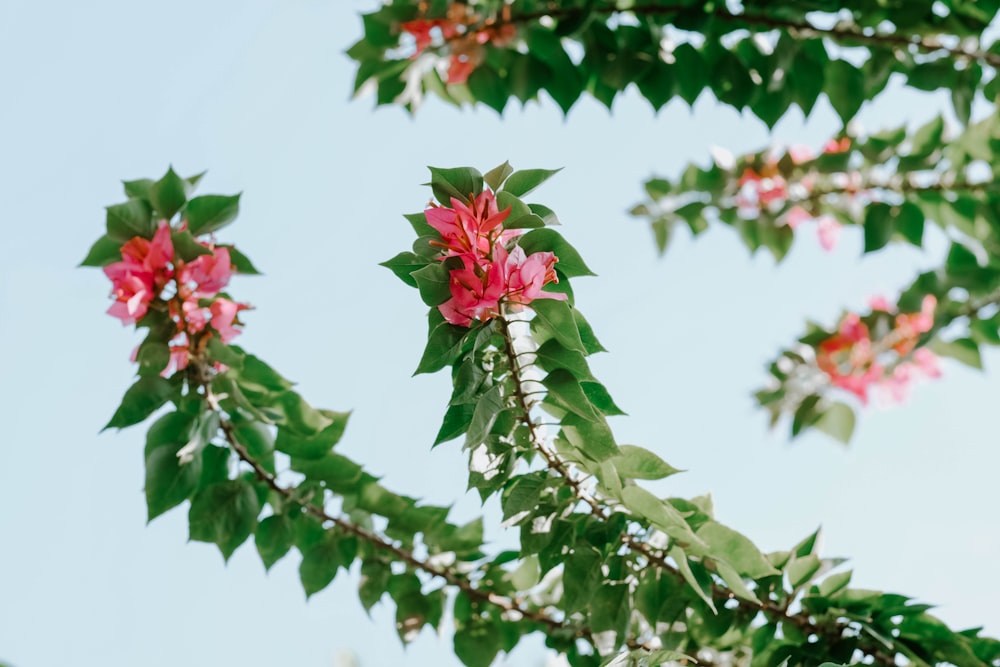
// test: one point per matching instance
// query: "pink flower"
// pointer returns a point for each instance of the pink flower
(879, 302)
(846, 358)
(468, 229)
(421, 29)
(909, 326)
(208, 273)
(224, 314)
(179, 357)
(841, 145)
(927, 362)
(133, 290)
(759, 190)
(796, 216)
(476, 289)
(460, 66)
(800, 153)
(828, 231)
(526, 275)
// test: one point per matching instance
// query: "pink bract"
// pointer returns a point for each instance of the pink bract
(224, 314)
(828, 231)
(209, 273)
(526, 275)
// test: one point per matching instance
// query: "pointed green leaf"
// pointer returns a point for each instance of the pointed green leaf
(524, 181)
(140, 401)
(661, 514)
(570, 264)
(168, 194)
(105, 251)
(274, 538)
(210, 213)
(837, 421)
(634, 462)
(224, 513)
(558, 318)
(131, 219)
(497, 175)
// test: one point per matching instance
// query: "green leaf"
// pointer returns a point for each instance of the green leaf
(702, 589)
(168, 481)
(609, 608)
(339, 473)
(837, 421)
(168, 194)
(257, 376)
(131, 219)
(210, 213)
(403, 265)
(524, 181)
(274, 538)
(634, 462)
(834, 583)
(374, 581)
(879, 224)
(138, 189)
(552, 355)
(733, 547)
(225, 354)
(459, 183)
(300, 417)
(141, 400)
(434, 282)
(566, 391)
(321, 561)
(443, 343)
(152, 357)
(241, 263)
(224, 513)
(477, 643)
(927, 138)
(844, 87)
(187, 247)
(315, 446)
(497, 175)
(581, 578)
(457, 420)
(661, 514)
(488, 407)
(105, 250)
(910, 223)
(592, 438)
(487, 87)
(964, 350)
(802, 569)
(558, 318)
(599, 397)
(570, 264)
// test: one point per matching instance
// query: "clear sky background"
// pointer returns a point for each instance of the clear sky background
(258, 92)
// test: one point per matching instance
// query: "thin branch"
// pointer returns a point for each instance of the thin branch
(449, 576)
(840, 33)
(600, 511)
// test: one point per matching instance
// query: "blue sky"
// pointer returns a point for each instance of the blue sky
(258, 93)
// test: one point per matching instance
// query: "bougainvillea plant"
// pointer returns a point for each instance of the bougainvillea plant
(607, 571)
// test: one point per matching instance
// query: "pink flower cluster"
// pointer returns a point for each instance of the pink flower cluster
(465, 44)
(768, 189)
(491, 274)
(149, 266)
(850, 357)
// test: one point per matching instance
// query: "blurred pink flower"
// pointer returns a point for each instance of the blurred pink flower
(224, 314)
(828, 231)
(208, 273)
